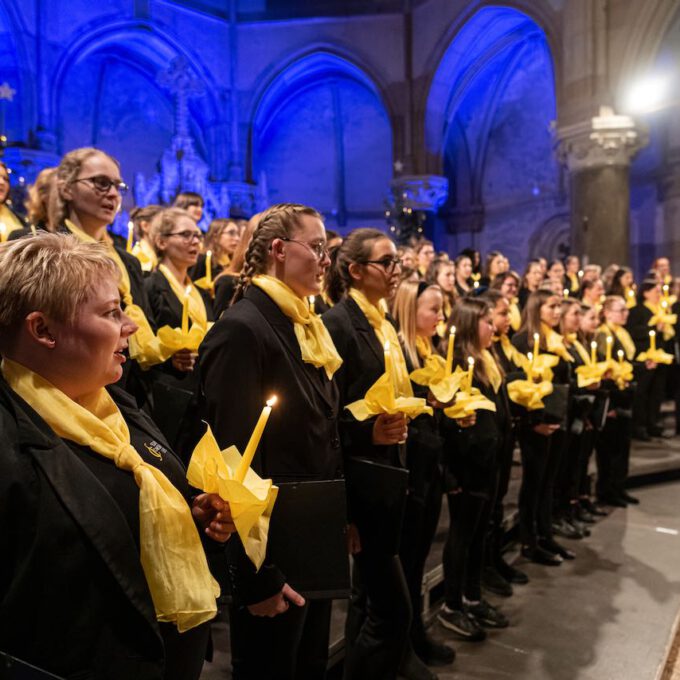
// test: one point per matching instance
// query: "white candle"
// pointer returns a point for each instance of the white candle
(537, 338)
(254, 441)
(208, 268)
(610, 340)
(593, 352)
(471, 370)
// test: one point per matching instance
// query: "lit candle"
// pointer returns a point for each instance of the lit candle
(610, 340)
(471, 370)
(312, 300)
(3, 232)
(631, 293)
(664, 305)
(131, 236)
(620, 355)
(254, 441)
(537, 337)
(208, 268)
(475, 285)
(449, 351)
(566, 293)
(593, 352)
(580, 273)
(665, 290)
(652, 340)
(185, 311)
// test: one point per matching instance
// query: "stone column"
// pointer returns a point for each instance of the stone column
(598, 153)
(670, 197)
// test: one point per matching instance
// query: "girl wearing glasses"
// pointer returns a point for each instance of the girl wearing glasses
(177, 241)
(221, 240)
(366, 271)
(84, 199)
(270, 343)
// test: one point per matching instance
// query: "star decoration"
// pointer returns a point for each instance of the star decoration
(6, 92)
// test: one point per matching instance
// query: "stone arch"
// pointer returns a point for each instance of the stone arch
(321, 80)
(552, 239)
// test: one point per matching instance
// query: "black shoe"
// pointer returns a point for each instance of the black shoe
(565, 529)
(632, 500)
(486, 615)
(614, 501)
(495, 583)
(641, 435)
(582, 515)
(510, 574)
(581, 528)
(655, 431)
(412, 668)
(433, 653)
(541, 556)
(552, 546)
(460, 623)
(592, 508)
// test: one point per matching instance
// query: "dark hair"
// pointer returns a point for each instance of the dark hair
(355, 249)
(531, 314)
(616, 288)
(646, 286)
(145, 214)
(330, 234)
(492, 296)
(279, 221)
(500, 279)
(186, 199)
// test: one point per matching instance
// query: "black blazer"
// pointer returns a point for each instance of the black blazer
(73, 595)
(250, 354)
(225, 287)
(638, 327)
(363, 363)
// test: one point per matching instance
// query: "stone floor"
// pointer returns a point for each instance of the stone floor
(608, 615)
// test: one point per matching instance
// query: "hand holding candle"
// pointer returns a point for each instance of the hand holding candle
(254, 441)
(185, 311)
(449, 350)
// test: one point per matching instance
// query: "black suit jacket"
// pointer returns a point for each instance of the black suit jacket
(250, 354)
(73, 595)
(638, 327)
(363, 363)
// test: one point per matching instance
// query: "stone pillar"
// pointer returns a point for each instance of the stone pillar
(670, 197)
(598, 154)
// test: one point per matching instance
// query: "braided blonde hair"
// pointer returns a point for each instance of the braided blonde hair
(279, 221)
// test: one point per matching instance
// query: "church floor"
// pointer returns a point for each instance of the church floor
(608, 615)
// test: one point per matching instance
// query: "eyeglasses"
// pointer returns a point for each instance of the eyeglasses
(319, 249)
(103, 184)
(188, 235)
(389, 264)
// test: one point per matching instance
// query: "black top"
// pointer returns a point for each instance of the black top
(73, 596)
(249, 355)
(198, 271)
(638, 327)
(225, 287)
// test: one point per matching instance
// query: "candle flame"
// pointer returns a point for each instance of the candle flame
(452, 331)
(312, 299)
(610, 339)
(208, 253)
(566, 292)
(272, 400)
(580, 273)
(620, 354)
(536, 336)
(387, 345)
(652, 334)
(593, 345)
(471, 362)
(131, 225)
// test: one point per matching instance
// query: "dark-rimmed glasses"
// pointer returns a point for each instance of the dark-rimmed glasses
(319, 249)
(103, 184)
(188, 235)
(389, 264)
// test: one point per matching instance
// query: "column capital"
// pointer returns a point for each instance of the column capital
(420, 192)
(608, 139)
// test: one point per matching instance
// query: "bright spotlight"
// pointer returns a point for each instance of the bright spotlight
(647, 94)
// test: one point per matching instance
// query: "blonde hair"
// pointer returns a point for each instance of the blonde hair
(67, 172)
(212, 238)
(38, 197)
(50, 273)
(162, 224)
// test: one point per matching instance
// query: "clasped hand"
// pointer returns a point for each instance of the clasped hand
(213, 515)
(390, 429)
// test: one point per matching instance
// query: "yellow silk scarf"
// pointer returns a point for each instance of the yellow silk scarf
(424, 347)
(174, 563)
(143, 345)
(663, 317)
(10, 221)
(491, 370)
(316, 344)
(146, 255)
(197, 311)
(622, 335)
(385, 332)
(553, 342)
(582, 351)
(512, 353)
(515, 315)
(574, 282)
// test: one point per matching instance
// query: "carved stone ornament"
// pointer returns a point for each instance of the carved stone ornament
(607, 139)
(420, 192)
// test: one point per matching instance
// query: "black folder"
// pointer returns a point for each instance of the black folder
(308, 538)
(15, 669)
(376, 494)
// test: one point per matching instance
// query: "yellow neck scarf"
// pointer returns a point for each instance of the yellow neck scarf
(143, 345)
(146, 255)
(174, 563)
(313, 337)
(553, 342)
(9, 221)
(664, 317)
(424, 347)
(622, 335)
(385, 332)
(582, 351)
(574, 281)
(491, 370)
(511, 353)
(515, 315)
(197, 311)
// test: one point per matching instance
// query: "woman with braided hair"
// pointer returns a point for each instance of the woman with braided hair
(268, 343)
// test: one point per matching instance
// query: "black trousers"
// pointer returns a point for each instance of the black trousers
(184, 652)
(540, 461)
(613, 456)
(379, 617)
(289, 646)
(648, 396)
(586, 446)
(469, 514)
(418, 531)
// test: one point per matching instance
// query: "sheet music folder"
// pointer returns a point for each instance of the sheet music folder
(308, 538)
(16, 669)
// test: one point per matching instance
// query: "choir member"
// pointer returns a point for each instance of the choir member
(572, 282)
(463, 275)
(531, 281)
(192, 202)
(221, 239)
(9, 220)
(425, 254)
(143, 248)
